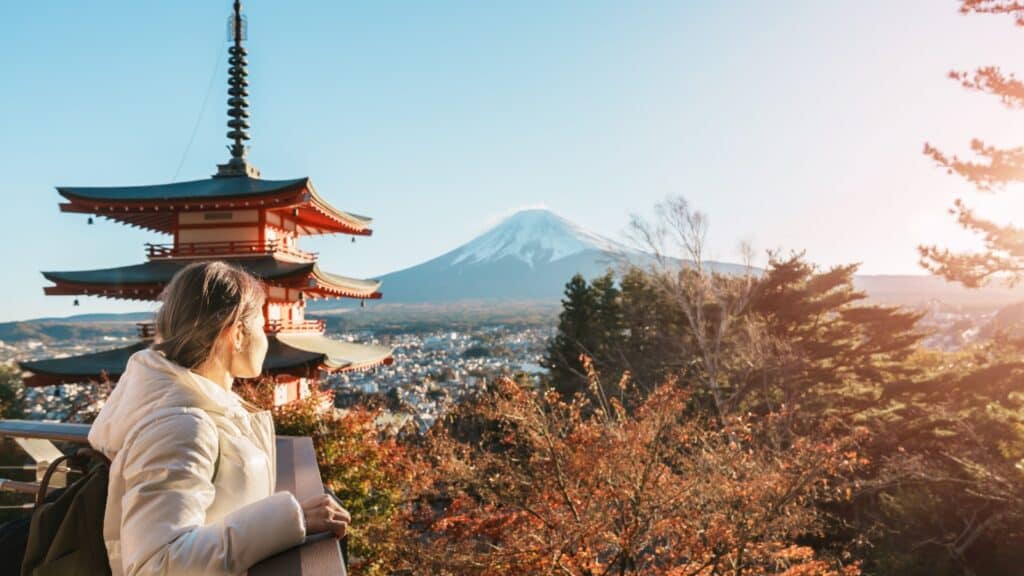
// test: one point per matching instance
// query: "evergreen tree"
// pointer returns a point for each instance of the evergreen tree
(992, 170)
(608, 337)
(652, 341)
(576, 335)
(824, 351)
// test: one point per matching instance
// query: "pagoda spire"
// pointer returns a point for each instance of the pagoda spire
(238, 113)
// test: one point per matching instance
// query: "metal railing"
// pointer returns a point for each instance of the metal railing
(297, 472)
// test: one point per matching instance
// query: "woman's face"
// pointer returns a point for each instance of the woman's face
(248, 362)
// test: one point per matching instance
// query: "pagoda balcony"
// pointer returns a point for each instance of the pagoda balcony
(297, 472)
(303, 327)
(146, 330)
(232, 248)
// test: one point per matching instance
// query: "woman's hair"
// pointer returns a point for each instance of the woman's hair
(199, 302)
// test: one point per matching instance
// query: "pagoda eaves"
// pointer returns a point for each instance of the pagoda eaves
(145, 281)
(287, 354)
(156, 207)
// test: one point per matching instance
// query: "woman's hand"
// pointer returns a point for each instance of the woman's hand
(324, 514)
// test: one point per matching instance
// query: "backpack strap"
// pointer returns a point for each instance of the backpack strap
(79, 457)
(216, 461)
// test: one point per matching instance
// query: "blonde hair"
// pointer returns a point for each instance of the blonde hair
(200, 301)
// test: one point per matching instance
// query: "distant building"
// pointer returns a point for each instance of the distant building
(237, 217)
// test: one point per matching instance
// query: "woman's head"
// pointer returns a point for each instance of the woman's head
(213, 311)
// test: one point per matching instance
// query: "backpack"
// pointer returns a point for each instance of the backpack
(66, 535)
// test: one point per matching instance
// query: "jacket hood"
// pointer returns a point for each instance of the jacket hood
(151, 382)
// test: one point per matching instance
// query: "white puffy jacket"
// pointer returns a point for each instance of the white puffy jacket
(192, 475)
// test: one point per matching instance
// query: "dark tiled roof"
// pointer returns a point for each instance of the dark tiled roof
(86, 366)
(161, 271)
(195, 189)
(336, 354)
(280, 358)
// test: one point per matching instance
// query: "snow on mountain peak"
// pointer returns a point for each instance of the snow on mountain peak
(534, 236)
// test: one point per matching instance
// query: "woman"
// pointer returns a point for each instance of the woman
(193, 465)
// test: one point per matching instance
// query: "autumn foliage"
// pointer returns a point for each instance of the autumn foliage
(523, 481)
(368, 469)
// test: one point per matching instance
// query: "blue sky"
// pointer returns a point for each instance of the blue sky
(793, 124)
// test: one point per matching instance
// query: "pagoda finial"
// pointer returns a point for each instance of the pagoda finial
(238, 112)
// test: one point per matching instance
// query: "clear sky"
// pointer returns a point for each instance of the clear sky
(793, 124)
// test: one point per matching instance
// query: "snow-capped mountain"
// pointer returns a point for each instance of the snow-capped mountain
(535, 237)
(528, 256)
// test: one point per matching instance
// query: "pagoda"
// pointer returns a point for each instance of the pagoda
(237, 217)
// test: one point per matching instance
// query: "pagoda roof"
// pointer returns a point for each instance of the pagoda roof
(207, 189)
(95, 366)
(337, 356)
(154, 207)
(145, 281)
(286, 354)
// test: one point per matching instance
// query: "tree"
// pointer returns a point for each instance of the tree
(608, 316)
(711, 304)
(576, 334)
(994, 168)
(653, 341)
(823, 350)
(945, 491)
(12, 399)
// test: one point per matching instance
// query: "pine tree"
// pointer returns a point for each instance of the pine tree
(576, 334)
(652, 331)
(825, 351)
(993, 169)
(608, 337)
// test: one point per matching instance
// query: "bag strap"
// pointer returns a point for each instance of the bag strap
(216, 461)
(80, 457)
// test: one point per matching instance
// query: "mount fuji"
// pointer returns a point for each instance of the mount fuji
(530, 255)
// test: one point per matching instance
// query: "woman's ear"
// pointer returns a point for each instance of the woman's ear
(238, 337)
(232, 337)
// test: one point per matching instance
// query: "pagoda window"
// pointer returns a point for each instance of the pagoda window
(217, 216)
(232, 234)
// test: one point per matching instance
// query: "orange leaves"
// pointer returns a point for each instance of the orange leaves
(548, 485)
(1013, 8)
(371, 472)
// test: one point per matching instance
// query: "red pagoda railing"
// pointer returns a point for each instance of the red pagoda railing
(146, 330)
(231, 248)
(275, 326)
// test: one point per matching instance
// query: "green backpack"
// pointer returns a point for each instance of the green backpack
(66, 535)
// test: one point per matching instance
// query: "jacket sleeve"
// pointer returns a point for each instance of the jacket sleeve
(168, 468)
